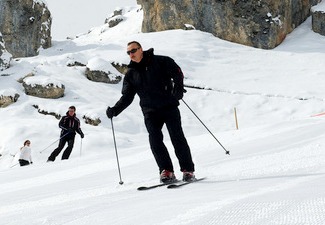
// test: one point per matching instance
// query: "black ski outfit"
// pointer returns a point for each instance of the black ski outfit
(158, 81)
(69, 125)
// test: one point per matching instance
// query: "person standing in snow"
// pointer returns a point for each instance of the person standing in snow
(25, 157)
(158, 81)
(69, 124)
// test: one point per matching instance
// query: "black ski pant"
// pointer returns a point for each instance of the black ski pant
(23, 162)
(154, 122)
(67, 151)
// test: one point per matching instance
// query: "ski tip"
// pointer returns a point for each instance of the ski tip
(142, 188)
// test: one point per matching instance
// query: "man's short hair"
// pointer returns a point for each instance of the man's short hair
(135, 42)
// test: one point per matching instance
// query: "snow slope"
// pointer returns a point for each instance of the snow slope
(275, 173)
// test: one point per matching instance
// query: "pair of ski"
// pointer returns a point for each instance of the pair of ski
(172, 185)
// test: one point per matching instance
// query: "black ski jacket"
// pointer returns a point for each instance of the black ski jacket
(155, 80)
(70, 125)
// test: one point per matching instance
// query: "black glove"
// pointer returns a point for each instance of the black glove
(110, 112)
(178, 92)
(71, 131)
(82, 135)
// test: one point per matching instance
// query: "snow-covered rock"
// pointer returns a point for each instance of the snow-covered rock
(318, 18)
(100, 70)
(7, 97)
(43, 87)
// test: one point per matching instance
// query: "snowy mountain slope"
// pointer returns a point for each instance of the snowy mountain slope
(275, 171)
(281, 184)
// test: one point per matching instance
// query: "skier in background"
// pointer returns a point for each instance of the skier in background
(158, 81)
(25, 157)
(69, 124)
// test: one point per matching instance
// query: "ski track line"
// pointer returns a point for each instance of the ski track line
(198, 213)
(53, 177)
(309, 211)
(62, 199)
(313, 159)
(79, 214)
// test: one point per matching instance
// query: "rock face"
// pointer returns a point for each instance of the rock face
(318, 21)
(258, 23)
(25, 26)
(5, 56)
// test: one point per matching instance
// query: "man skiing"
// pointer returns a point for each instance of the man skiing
(158, 81)
(69, 124)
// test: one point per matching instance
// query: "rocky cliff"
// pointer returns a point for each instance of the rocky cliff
(5, 56)
(258, 23)
(25, 26)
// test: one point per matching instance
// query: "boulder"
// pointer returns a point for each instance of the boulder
(6, 100)
(43, 87)
(91, 121)
(115, 19)
(25, 26)
(100, 70)
(318, 18)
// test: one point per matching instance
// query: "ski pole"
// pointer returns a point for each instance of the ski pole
(227, 152)
(80, 147)
(14, 165)
(118, 163)
(53, 143)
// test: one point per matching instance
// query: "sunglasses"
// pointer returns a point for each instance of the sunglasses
(134, 50)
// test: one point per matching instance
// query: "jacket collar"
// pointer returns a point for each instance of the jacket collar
(147, 55)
